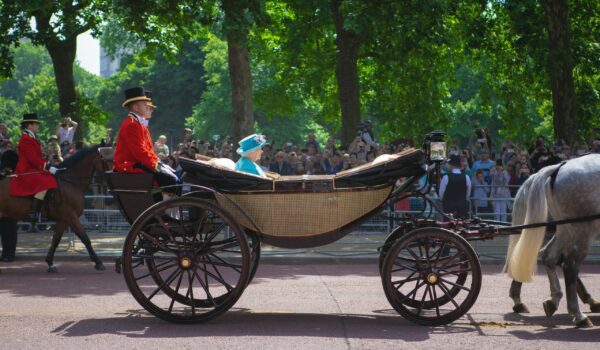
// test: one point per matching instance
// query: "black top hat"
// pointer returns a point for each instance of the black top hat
(149, 95)
(135, 94)
(454, 160)
(30, 118)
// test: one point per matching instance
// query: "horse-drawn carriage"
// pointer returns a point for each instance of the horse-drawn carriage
(189, 259)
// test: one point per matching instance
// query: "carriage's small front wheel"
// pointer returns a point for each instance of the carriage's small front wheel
(186, 260)
(431, 276)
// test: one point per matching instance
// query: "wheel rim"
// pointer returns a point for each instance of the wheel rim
(431, 276)
(186, 260)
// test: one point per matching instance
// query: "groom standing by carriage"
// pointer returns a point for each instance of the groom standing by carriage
(30, 177)
(134, 153)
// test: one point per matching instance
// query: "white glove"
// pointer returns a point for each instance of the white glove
(53, 170)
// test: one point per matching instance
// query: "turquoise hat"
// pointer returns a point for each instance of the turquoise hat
(251, 143)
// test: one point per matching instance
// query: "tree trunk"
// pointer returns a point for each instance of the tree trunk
(239, 69)
(63, 56)
(560, 65)
(346, 72)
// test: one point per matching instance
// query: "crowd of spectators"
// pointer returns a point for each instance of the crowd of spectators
(496, 172)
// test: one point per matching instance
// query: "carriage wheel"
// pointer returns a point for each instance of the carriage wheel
(186, 260)
(431, 276)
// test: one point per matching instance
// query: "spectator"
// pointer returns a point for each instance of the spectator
(160, 147)
(330, 146)
(52, 148)
(484, 163)
(66, 131)
(481, 193)
(280, 165)
(336, 164)
(455, 189)
(524, 172)
(367, 135)
(4, 137)
(311, 141)
(500, 193)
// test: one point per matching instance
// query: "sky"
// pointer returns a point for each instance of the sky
(88, 53)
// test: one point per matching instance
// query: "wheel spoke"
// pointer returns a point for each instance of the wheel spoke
(165, 226)
(455, 285)
(406, 267)
(423, 300)
(176, 292)
(437, 303)
(218, 279)
(449, 260)
(439, 253)
(212, 236)
(165, 282)
(414, 291)
(155, 271)
(454, 272)
(156, 242)
(447, 293)
(205, 287)
(191, 292)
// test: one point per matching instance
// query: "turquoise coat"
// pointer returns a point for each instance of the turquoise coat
(248, 166)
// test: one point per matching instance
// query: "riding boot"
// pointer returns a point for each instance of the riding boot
(36, 207)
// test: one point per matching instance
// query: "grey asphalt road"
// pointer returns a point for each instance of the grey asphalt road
(303, 306)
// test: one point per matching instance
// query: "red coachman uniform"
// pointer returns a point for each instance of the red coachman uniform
(134, 145)
(31, 177)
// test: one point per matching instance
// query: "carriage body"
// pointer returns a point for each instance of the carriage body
(213, 231)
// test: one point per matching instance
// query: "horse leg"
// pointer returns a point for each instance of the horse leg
(83, 237)
(59, 229)
(585, 296)
(550, 257)
(571, 272)
(515, 295)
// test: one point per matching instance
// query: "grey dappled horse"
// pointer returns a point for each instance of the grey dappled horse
(563, 192)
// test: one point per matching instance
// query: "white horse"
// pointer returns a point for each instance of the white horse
(563, 192)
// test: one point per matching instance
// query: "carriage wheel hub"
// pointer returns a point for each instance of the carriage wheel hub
(185, 262)
(432, 278)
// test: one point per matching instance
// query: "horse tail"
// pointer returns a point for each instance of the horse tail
(518, 217)
(523, 259)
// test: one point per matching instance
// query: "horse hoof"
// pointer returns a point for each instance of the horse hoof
(100, 267)
(52, 269)
(595, 307)
(549, 308)
(585, 323)
(520, 308)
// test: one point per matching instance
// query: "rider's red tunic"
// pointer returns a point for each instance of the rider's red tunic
(134, 145)
(31, 177)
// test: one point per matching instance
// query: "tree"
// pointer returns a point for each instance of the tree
(57, 25)
(167, 23)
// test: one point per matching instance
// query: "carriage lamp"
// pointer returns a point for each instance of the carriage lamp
(437, 146)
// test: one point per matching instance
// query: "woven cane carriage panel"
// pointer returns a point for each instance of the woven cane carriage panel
(303, 214)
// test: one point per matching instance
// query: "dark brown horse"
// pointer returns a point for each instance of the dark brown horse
(66, 204)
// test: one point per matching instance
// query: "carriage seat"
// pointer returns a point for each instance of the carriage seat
(133, 192)
(382, 172)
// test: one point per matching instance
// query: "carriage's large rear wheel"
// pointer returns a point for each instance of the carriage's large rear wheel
(431, 276)
(186, 260)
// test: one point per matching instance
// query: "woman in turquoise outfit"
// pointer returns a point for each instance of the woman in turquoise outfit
(251, 151)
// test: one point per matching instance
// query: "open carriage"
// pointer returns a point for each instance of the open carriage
(189, 259)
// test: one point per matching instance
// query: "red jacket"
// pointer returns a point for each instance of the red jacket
(31, 164)
(134, 145)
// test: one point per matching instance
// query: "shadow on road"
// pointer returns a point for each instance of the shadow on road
(242, 322)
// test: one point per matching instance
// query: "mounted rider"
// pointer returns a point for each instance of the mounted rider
(133, 152)
(30, 176)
